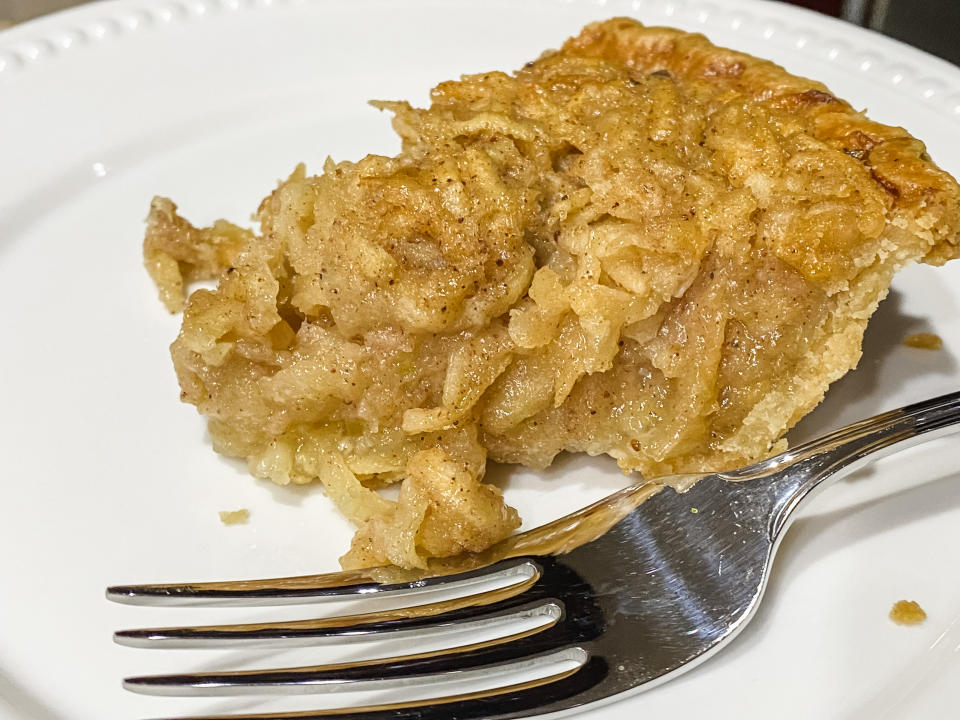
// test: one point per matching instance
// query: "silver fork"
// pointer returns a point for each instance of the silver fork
(632, 591)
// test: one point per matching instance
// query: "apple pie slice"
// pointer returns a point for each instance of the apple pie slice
(641, 244)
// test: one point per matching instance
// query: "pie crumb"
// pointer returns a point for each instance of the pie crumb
(907, 612)
(924, 341)
(234, 517)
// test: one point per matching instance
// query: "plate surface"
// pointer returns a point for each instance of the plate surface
(108, 479)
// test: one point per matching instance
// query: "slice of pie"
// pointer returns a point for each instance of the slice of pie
(641, 245)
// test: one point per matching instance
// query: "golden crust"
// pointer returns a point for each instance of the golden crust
(924, 195)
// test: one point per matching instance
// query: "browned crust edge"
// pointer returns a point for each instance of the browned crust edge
(925, 198)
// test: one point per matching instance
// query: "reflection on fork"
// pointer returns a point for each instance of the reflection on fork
(621, 595)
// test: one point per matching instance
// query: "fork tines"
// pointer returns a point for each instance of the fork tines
(493, 608)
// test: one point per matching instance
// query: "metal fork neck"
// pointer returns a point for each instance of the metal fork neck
(808, 469)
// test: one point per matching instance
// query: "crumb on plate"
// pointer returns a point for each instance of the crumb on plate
(234, 517)
(907, 612)
(924, 341)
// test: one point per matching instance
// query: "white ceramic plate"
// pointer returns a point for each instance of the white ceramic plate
(107, 478)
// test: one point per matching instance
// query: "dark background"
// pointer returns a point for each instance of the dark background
(933, 25)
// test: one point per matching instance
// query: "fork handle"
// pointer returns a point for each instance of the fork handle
(809, 468)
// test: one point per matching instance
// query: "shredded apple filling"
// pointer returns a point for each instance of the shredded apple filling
(640, 245)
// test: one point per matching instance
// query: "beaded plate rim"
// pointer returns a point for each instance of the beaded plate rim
(938, 83)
